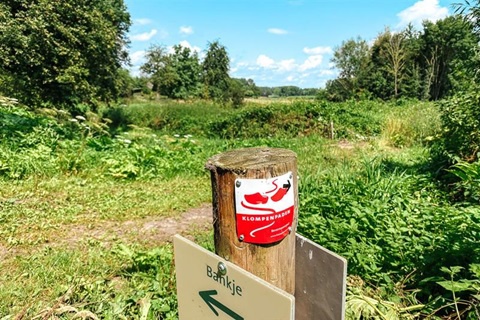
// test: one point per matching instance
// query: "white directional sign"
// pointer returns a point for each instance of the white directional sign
(208, 287)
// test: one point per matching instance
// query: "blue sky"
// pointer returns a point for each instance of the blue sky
(273, 42)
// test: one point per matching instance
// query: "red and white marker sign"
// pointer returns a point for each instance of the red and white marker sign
(264, 208)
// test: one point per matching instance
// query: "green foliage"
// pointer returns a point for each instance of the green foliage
(469, 179)
(470, 9)
(388, 223)
(352, 58)
(364, 303)
(143, 290)
(349, 120)
(358, 120)
(237, 92)
(430, 64)
(181, 75)
(461, 122)
(287, 91)
(175, 75)
(419, 124)
(152, 281)
(62, 175)
(216, 65)
(448, 46)
(462, 285)
(34, 144)
(61, 53)
(169, 117)
(249, 87)
(390, 57)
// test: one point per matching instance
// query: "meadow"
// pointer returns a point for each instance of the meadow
(74, 189)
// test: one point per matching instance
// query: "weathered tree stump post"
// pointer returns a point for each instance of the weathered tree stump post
(262, 184)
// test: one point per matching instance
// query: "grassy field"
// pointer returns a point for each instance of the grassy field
(76, 195)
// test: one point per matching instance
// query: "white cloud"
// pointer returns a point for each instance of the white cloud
(186, 30)
(142, 22)
(187, 44)
(265, 62)
(326, 72)
(266, 71)
(144, 36)
(137, 57)
(318, 50)
(277, 31)
(311, 62)
(287, 65)
(422, 10)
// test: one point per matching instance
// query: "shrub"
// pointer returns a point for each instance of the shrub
(348, 120)
(461, 122)
(468, 186)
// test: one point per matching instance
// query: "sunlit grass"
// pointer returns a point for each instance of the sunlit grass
(71, 204)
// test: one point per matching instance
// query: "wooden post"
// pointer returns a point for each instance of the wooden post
(273, 262)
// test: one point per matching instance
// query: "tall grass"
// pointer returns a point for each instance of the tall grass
(183, 118)
(378, 206)
(419, 124)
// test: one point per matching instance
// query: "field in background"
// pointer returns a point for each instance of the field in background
(72, 190)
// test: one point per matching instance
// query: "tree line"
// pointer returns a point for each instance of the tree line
(179, 73)
(65, 53)
(430, 64)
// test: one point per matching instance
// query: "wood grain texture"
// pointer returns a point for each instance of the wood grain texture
(275, 262)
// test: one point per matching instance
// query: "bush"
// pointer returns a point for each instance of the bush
(461, 122)
(393, 227)
(349, 120)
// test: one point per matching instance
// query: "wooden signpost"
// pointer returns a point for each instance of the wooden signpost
(273, 262)
(262, 269)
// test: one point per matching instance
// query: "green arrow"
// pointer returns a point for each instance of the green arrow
(211, 302)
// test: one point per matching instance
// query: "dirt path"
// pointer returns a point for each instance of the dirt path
(151, 229)
(148, 231)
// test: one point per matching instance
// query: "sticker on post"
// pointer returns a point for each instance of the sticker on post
(264, 208)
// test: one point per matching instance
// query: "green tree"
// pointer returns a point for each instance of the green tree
(249, 87)
(216, 66)
(352, 59)
(157, 67)
(389, 57)
(310, 92)
(470, 10)
(188, 68)
(461, 113)
(396, 56)
(412, 84)
(237, 92)
(175, 75)
(125, 84)
(447, 50)
(62, 52)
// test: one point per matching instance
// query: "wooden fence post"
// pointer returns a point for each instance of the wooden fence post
(275, 261)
